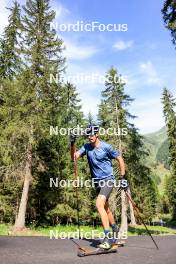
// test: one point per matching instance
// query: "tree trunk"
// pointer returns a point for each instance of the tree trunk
(20, 220)
(132, 217)
(124, 207)
(113, 202)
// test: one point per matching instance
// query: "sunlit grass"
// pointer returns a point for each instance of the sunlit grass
(58, 230)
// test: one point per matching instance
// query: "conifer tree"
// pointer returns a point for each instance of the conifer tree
(114, 102)
(10, 61)
(31, 103)
(62, 204)
(10, 66)
(170, 119)
(169, 16)
(42, 51)
(113, 112)
(90, 118)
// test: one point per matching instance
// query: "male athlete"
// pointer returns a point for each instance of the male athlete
(100, 155)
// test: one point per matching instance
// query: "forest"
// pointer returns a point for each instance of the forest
(30, 104)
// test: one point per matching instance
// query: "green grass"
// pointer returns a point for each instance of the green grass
(4, 229)
(71, 229)
(155, 230)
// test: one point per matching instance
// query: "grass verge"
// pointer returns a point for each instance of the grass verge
(60, 230)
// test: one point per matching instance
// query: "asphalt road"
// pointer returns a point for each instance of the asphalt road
(42, 250)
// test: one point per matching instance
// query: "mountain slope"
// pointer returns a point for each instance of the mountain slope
(153, 143)
(158, 160)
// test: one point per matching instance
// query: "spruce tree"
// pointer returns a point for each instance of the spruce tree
(169, 16)
(90, 118)
(170, 119)
(113, 112)
(42, 50)
(10, 61)
(114, 101)
(62, 203)
(29, 105)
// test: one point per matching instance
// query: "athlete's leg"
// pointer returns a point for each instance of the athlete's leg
(109, 213)
(112, 222)
(100, 204)
(104, 193)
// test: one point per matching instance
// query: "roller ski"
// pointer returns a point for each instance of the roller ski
(102, 249)
(115, 240)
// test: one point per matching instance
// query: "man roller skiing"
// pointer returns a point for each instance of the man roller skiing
(100, 155)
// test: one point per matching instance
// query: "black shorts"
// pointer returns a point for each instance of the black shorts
(104, 187)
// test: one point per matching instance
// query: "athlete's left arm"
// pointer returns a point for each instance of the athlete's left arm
(121, 165)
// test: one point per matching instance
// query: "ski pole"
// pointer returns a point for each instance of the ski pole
(73, 158)
(138, 213)
(77, 198)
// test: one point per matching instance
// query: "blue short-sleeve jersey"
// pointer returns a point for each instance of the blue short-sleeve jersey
(100, 159)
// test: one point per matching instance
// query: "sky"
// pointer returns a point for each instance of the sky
(143, 55)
